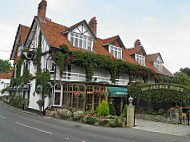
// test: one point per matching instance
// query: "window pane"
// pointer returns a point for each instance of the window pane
(72, 41)
(69, 99)
(81, 88)
(81, 101)
(57, 98)
(74, 101)
(57, 87)
(64, 98)
(75, 88)
(70, 87)
(96, 101)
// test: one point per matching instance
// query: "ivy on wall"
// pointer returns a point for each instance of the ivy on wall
(90, 61)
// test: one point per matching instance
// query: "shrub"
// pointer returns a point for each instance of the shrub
(161, 111)
(150, 110)
(112, 109)
(124, 114)
(90, 120)
(103, 109)
(77, 116)
(141, 109)
(64, 113)
(116, 124)
(103, 122)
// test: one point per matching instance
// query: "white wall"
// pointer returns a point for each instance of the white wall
(3, 84)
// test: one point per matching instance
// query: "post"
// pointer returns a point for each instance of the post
(130, 114)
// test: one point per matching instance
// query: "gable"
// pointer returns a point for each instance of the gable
(159, 59)
(81, 28)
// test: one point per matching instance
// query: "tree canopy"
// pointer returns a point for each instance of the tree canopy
(4, 66)
(185, 70)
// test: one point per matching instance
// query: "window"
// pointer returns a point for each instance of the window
(81, 41)
(158, 66)
(140, 59)
(115, 51)
(19, 51)
(57, 97)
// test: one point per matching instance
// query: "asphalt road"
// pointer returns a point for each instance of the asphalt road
(19, 126)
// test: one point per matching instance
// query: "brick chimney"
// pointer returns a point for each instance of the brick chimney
(42, 10)
(137, 43)
(93, 25)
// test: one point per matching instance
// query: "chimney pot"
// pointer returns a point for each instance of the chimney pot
(93, 25)
(42, 10)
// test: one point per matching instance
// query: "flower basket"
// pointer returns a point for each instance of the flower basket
(101, 93)
(80, 94)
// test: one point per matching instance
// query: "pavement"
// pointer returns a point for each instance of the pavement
(164, 128)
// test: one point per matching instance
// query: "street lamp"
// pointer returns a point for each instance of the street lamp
(130, 101)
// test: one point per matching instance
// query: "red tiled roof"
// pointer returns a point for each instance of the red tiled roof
(55, 37)
(5, 76)
(133, 50)
(108, 40)
(152, 57)
(23, 31)
(167, 72)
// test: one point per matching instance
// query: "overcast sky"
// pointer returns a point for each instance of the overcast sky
(162, 25)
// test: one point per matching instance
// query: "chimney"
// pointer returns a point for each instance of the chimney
(137, 43)
(42, 10)
(10, 70)
(92, 24)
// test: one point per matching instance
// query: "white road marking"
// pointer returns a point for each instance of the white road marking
(2, 117)
(33, 128)
(67, 138)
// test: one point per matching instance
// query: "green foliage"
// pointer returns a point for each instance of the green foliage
(40, 104)
(185, 70)
(116, 124)
(161, 111)
(20, 61)
(4, 66)
(103, 109)
(150, 110)
(103, 122)
(90, 120)
(43, 79)
(182, 78)
(124, 114)
(38, 54)
(112, 109)
(159, 95)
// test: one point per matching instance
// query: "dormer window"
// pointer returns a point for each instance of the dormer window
(140, 59)
(115, 51)
(81, 41)
(158, 66)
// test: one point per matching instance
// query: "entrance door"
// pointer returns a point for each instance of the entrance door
(89, 102)
(57, 95)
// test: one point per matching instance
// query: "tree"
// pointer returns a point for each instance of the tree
(185, 70)
(182, 78)
(4, 66)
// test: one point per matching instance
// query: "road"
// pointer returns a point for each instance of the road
(19, 126)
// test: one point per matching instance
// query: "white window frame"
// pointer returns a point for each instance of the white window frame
(140, 59)
(159, 66)
(61, 95)
(81, 41)
(115, 51)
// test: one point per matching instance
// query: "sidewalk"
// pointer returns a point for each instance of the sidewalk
(179, 130)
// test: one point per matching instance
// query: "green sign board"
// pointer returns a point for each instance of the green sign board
(163, 86)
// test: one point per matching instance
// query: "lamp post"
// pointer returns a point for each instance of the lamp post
(130, 101)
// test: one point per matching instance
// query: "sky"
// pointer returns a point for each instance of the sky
(163, 26)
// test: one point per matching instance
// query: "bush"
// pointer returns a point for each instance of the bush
(103, 109)
(161, 111)
(77, 116)
(116, 124)
(112, 110)
(141, 109)
(103, 122)
(124, 114)
(150, 110)
(90, 120)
